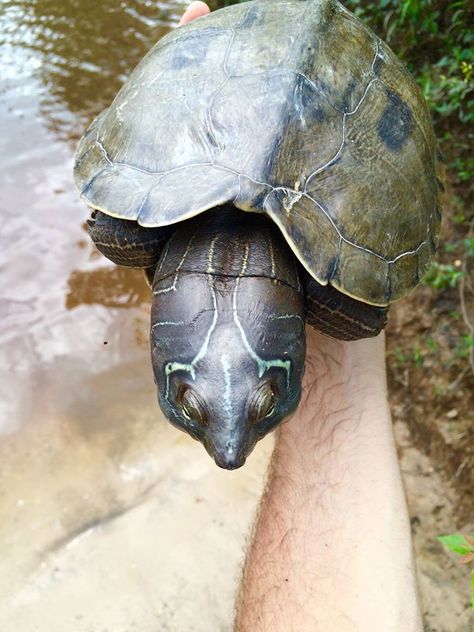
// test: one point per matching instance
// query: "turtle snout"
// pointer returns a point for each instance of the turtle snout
(229, 455)
(229, 458)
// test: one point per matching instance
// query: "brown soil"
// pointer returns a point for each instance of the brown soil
(431, 376)
(431, 385)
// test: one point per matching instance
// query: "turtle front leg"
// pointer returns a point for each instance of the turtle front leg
(125, 242)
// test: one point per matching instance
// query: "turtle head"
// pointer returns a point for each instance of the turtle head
(228, 373)
(228, 405)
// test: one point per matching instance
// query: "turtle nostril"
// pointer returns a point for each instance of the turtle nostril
(229, 459)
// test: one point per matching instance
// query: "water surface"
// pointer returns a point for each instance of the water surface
(110, 520)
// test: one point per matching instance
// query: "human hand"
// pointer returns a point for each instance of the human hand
(195, 10)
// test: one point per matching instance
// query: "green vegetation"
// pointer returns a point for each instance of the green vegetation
(436, 40)
(442, 275)
(462, 545)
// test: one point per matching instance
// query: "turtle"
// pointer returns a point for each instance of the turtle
(270, 166)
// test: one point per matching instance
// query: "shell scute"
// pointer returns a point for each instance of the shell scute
(362, 271)
(310, 225)
(289, 107)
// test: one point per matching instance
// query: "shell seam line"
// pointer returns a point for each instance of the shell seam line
(344, 116)
(228, 276)
(219, 89)
(273, 189)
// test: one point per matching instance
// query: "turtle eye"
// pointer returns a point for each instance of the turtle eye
(191, 406)
(263, 402)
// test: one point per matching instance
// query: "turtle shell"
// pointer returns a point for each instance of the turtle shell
(292, 108)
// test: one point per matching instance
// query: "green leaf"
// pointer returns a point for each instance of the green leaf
(456, 542)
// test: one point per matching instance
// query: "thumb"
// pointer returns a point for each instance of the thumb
(195, 10)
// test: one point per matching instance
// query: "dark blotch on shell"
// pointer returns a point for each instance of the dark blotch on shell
(396, 122)
(332, 265)
(295, 233)
(251, 17)
(347, 96)
(186, 56)
(388, 290)
(258, 201)
(378, 65)
(307, 100)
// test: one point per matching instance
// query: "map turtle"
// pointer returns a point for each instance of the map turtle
(269, 165)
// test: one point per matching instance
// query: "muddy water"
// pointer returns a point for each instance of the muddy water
(110, 520)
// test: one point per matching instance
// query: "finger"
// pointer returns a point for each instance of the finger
(195, 10)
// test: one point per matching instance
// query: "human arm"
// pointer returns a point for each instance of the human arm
(331, 549)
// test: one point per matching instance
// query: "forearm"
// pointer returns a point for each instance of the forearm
(332, 549)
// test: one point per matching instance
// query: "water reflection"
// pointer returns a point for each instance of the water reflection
(111, 287)
(98, 494)
(82, 51)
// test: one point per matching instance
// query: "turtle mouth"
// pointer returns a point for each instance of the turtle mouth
(229, 461)
(229, 453)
